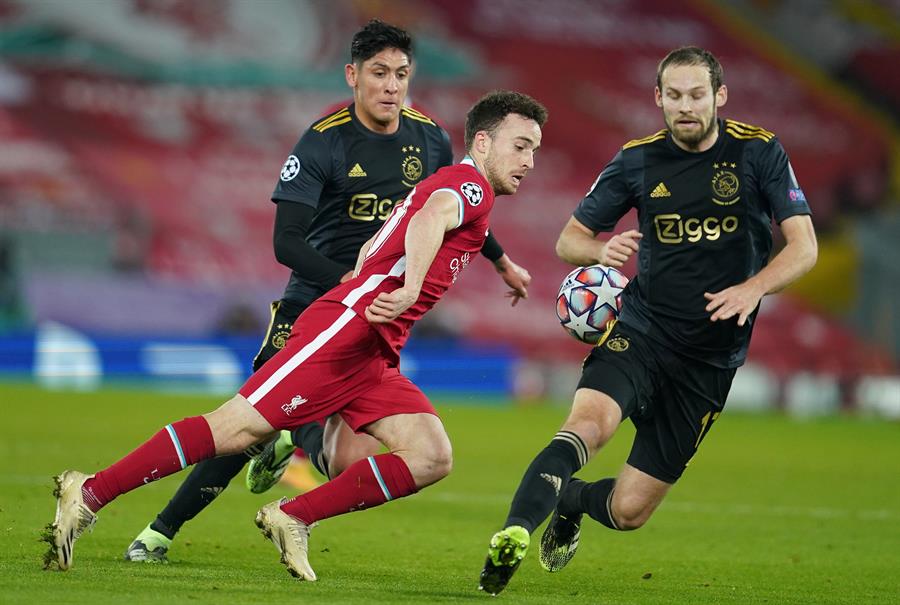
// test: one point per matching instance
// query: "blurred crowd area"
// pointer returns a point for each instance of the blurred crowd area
(140, 141)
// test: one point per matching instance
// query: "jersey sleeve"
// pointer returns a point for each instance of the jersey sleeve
(608, 199)
(778, 183)
(469, 194)
(306, 170)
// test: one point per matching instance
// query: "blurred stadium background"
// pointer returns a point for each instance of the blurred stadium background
(140, 141)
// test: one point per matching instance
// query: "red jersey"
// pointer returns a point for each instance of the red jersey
(385, 264)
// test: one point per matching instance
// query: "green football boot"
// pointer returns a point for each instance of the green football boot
(267, 467)
(149, 546)
(507, 549)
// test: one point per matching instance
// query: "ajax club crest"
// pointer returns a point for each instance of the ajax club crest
(617, 344)
(280, 335)
(412, 165)
(725, 184)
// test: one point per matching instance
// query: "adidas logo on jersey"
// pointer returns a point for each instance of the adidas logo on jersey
(356, 171)
(660, 191)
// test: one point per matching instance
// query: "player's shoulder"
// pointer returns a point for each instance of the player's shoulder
(747, 132)
(417, 116)
(417, 120)
(332, 121)
(463, 180)
(456, 175)
(659, 135)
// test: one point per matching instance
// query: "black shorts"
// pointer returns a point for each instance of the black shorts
(284, 314)
(672, 400)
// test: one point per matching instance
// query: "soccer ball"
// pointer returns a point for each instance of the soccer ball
(588, 298)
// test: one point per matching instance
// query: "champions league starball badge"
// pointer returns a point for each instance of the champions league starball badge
(291, 168)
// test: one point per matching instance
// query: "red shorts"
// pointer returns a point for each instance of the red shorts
(332, 363)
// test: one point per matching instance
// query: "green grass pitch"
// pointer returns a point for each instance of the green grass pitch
(772, 510)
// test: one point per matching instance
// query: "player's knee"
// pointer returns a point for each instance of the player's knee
(430, 465)
(595, 417)
(595, 431)
(440, 461)
(630, 513)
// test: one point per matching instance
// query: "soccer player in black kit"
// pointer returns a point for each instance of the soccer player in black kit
(336, 189)
(706, 191)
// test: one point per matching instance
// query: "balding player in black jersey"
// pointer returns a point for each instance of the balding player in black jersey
(706, 191)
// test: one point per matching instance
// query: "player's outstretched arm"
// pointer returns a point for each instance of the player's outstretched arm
(796, 258)
(515, 276)
(579, 246)
(424, 236)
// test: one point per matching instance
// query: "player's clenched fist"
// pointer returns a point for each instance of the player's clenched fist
(387, 306)
(619, 248)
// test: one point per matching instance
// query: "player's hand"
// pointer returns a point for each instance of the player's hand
(388, 306)
(620, 247)
(515, 276)
(347, 276)
(739, 300)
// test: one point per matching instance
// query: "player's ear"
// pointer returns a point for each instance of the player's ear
(721, 96)
(482, 141)
(350, 74)
(658, 95)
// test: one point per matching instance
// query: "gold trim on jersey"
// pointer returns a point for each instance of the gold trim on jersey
(609, 328)
(339, 117)
(648, 139)
(739, 130)
(412, 114)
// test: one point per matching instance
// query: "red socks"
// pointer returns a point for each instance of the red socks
(366, 483)
(176, 446)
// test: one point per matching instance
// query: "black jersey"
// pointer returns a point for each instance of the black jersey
(706, 219)
(353, 177)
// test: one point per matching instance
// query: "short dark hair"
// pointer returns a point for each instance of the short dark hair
(493, 107)
(375, 37)
(692, 55)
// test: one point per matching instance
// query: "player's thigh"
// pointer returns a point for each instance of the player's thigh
(691, 398)
(624, 367)
(332, 357)
(399, 415)
(636, 496)
(343, 446)
(236, 425)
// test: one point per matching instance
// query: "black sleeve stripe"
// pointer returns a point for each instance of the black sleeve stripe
(329, 121)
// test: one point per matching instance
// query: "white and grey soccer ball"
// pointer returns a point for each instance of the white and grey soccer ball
(588, 299)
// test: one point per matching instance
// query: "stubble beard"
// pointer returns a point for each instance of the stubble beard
(493, 176)
(693, 141)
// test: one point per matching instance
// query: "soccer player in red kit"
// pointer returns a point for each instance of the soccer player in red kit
(343, 355)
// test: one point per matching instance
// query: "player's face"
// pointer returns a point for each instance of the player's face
(379, 88)
(689, 105)
(510, 152)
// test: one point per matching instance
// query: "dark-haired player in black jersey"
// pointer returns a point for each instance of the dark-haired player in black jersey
(336, 189)
(706, 191)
